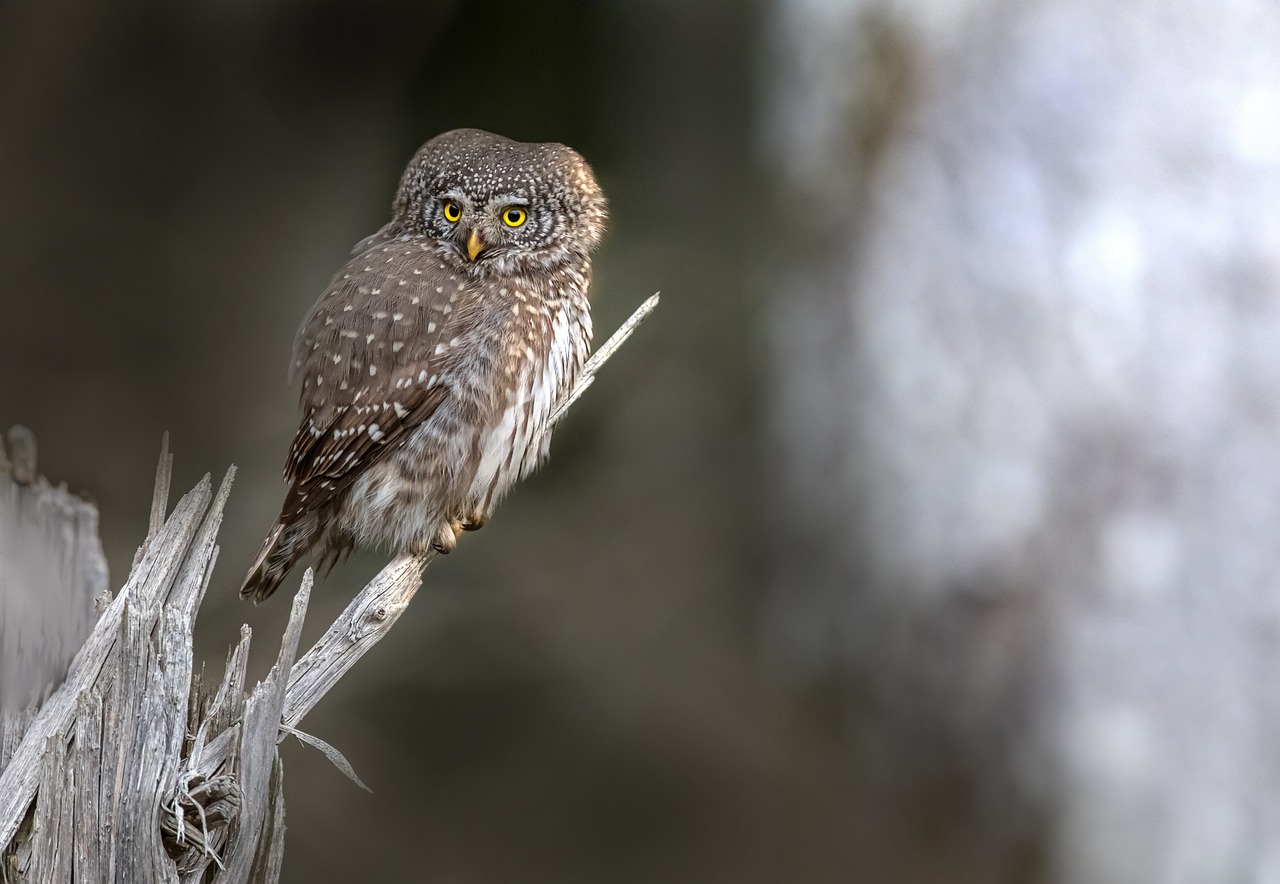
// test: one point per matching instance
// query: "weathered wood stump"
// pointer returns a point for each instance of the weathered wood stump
(133, 769)
(51, 570)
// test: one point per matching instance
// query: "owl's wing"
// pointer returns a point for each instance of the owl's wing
(383, 237)
(369, 355)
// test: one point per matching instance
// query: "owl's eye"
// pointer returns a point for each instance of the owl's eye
(514, 216)
(452, 211)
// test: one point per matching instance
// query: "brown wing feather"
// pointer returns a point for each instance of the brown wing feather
(369, 361)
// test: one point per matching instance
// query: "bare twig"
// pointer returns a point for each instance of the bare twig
(362, 625)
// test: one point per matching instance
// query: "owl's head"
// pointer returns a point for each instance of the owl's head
(490, 202)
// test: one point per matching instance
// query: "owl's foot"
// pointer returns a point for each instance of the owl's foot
(447, 536)
(475, 521)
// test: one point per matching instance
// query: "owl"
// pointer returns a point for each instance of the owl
(432, 363)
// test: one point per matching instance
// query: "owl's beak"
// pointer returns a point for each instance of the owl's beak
(475, 245)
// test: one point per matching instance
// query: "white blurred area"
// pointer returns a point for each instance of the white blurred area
(1026, 405)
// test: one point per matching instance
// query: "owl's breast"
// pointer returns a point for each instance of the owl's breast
(542, 357)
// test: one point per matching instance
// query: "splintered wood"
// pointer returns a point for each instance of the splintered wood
(133, 730)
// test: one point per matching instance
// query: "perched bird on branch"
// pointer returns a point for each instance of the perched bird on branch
(431, 365)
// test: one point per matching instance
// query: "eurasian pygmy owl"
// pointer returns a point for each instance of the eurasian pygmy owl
(431, 364)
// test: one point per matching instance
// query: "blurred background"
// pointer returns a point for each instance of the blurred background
(927, 532)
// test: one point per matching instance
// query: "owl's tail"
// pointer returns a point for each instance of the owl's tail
(285, 544)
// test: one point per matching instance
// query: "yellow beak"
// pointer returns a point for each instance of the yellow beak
(474, 244)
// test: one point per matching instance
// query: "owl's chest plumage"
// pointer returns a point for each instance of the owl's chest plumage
(543, 351)
(511, 354)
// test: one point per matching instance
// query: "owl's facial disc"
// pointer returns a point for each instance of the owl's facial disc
(532, 207)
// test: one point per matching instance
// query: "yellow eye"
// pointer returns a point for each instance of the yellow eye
(452, 211)
(514, 216)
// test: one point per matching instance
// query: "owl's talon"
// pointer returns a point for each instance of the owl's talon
(447, 536)
(475, 521)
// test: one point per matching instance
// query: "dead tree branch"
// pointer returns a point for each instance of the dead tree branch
(134, 769)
